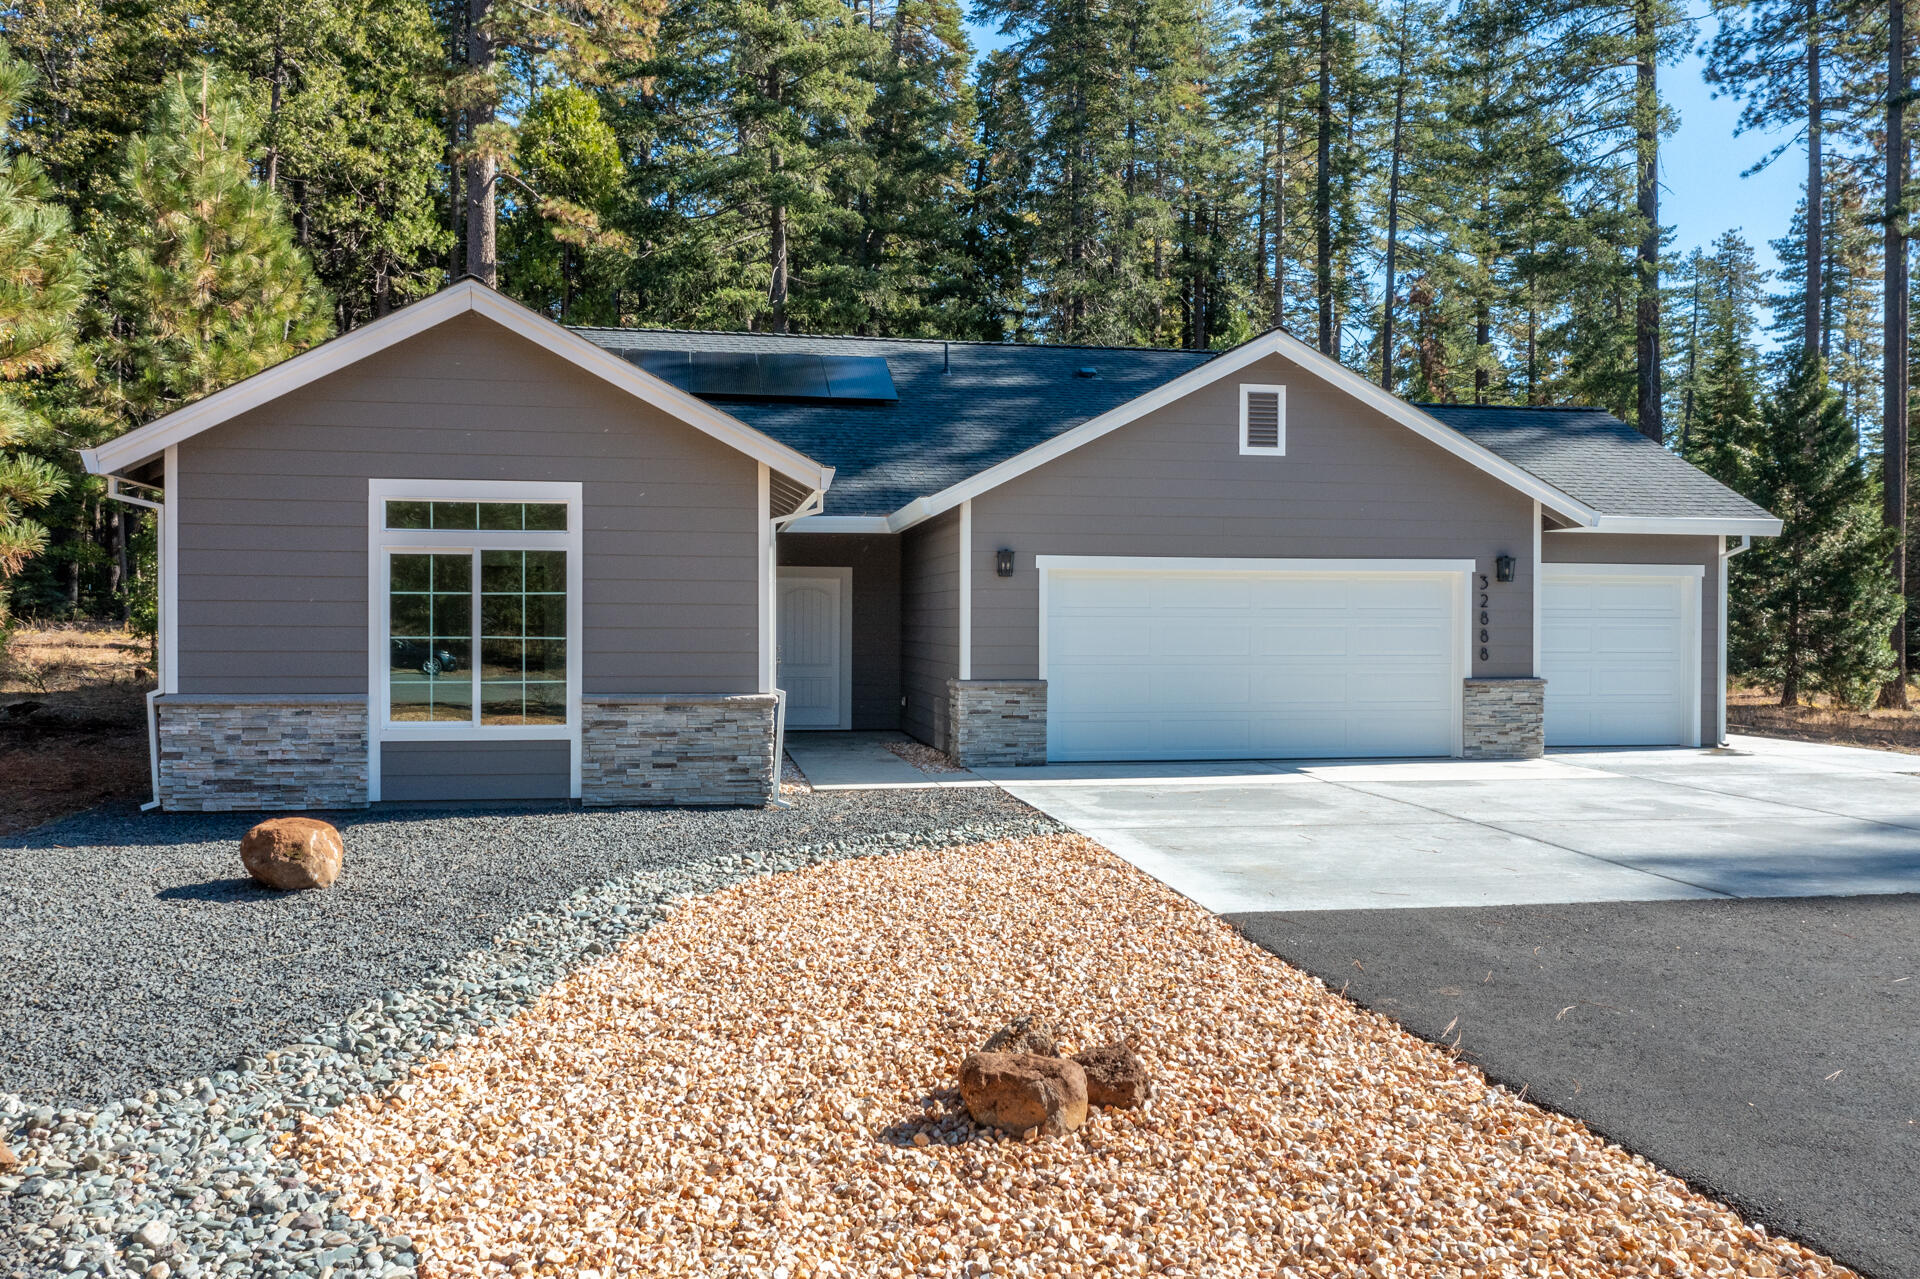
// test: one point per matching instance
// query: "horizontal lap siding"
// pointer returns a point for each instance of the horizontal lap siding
(1637, 548)
(475, 770)
(1352, 485)
(273, 511)
(929, 624)
(875, 561)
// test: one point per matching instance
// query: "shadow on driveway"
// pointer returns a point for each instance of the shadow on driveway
(1763, 1049)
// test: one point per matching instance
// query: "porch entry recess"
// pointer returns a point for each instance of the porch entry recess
(1155, 659)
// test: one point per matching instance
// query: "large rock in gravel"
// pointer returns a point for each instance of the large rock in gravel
(1017, 1091)
(293, 852)
(1115, 1076)
(1024, 1034)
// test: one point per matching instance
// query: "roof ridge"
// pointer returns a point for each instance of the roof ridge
(865, 337)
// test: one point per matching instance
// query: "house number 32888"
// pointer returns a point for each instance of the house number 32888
(1485, 617)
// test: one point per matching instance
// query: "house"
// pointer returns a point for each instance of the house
(464, 552)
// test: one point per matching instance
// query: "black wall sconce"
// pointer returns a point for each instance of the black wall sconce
(1503, 568)
(1003, 562)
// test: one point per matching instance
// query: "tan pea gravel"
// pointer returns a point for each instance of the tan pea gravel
(761, 1085)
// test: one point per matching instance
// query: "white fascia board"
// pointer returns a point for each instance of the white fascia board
(840, 524)
(1225, 365)
(1683, 526)
(155, 437)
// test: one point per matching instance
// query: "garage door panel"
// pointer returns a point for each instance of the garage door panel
(1252, 664)
(1619, 652)
(1107, 639)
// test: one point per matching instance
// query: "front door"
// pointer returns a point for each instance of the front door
(814, 648)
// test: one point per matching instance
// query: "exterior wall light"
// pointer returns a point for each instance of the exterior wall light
(1003, 562)
(1503, 568)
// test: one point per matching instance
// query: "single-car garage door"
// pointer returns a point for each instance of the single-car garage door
(1287, 662)
(1620, 650)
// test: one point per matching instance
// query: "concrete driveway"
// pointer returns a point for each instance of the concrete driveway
(1760, 818)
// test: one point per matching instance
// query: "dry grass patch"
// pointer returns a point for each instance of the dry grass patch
(761, 1085)
(925, 758)
(1757, 710)
(73, 726)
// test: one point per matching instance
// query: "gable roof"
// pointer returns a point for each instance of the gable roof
(465, 296)
(1608, 464)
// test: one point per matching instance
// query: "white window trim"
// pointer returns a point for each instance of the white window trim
(1691, 578)
(382, 541)
(1461, 570)
(1247, 391)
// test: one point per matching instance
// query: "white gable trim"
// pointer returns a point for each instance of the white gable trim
(1225, 365)
(153, 439)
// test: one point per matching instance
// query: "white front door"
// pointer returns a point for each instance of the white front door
(1291, 663)
(1620, 650)
(815, 653)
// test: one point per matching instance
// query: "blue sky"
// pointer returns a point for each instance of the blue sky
(1703, 193)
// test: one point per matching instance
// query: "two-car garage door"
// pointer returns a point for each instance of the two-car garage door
(1250, 663)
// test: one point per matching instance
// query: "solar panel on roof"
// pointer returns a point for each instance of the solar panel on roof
(859, 377)
(669, 366)
(725, 373)
(739, 375)
(799, 377)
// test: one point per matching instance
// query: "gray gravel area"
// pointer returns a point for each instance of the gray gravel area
(148, 960)
(1763, 1049)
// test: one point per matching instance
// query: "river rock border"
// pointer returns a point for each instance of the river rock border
(183, 1180)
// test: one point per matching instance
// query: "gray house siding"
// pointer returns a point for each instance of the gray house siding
(929, 624)
(1645, 548)
(875, 561)
(1352, 485)
(475, 770)
(273, 590)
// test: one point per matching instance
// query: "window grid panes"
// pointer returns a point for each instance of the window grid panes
(430, 648)
(510, 517)
(523, 637)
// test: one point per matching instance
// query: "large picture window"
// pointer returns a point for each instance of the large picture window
(480, 612)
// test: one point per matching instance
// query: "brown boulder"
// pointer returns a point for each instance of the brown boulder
(1024, 1034)
(1115, 1076)
(1017, 1091)
(292, 852)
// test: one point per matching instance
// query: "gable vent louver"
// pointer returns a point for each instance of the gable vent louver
(1262, 419)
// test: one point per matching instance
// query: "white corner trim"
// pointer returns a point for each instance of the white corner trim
(966, 590)
(840, 524)
(1226, 365)
(1534, 585)
(169, 534)
(765, 580)
(1279, 392)
(139, 445)
(1746, 544)
(382, 542)
(1682, 526)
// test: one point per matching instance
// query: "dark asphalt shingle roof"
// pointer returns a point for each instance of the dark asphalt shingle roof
(1592, 455)
(993, 401)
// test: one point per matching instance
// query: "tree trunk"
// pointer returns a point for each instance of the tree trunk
(482, 262)
(1323, 185)
(1810, 342)
(1279, 218)
(1647, 310)
(1693, 362)
(1393, 211)
(1482, 340)
(1893, 426)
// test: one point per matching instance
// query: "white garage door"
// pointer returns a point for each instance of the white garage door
(1620, 650)
(1146, 663)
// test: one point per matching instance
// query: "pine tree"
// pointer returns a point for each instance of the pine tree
(203, 283)
(42, 281)
(553, 259)
(1724, 426)
(1811, 609)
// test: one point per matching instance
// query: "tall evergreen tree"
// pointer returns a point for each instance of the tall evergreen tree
(203, 284)
(554, 258)
(1812, 608)
(1724, 433)
(42, 281)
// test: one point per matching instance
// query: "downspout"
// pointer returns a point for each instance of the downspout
(1746, 544)
(115, 494)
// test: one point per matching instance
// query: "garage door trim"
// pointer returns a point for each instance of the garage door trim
(1461, 596)
(1691, 577)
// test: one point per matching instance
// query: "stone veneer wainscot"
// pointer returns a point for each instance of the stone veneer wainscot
(997, 723)
(1504, 719)
(678, 749)
(222, 753)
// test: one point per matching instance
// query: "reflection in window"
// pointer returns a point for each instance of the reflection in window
(523, 637)
(430, 648)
